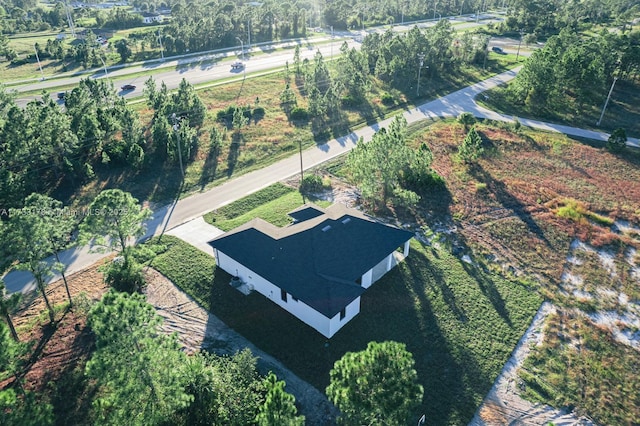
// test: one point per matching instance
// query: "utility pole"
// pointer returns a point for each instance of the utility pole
(521, 31)
(332, 41)
(607, 101)
(72, 27)
(249, 34)
(241, 47)
(161, 48)
(176, 128)
(104, 65)
(35, 47)
(435, 4)
(301, 168)
(421, 58)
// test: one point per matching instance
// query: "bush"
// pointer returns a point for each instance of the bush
(349, 101)
(467, 119)
(617, 141)
(311, 183)
(299, 114)
(387, 99)
(19, 61)
(125, 274)
(226, 115)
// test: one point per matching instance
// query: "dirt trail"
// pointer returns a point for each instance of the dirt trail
(504, 405)
(196, 328)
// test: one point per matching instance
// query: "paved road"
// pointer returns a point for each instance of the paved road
(211, 66)
(196, 205)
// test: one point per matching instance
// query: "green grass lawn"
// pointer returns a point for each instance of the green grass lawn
(460, 323)
(271, 204)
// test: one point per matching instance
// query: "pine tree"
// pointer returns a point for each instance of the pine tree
(471, 147)
(279, 407)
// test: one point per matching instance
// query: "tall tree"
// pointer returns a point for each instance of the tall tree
(113, 219)
(56, 225)
(379, 165)
(138, 367)
(279, 406)
(27, 234)
(7, 304)
(376, 386)
(25, 410)
(186, 103)
(226, 390)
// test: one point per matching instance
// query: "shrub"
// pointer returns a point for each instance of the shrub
(19, 62)
(467, 119)
(617, 141)
(349, 101)
(124, 274)
(299, 114)
(387, 99)
(311, 183)
(226, 115)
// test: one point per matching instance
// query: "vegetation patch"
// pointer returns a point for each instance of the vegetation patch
(578, 365)
(189, 268)
(271, 204)
(459, 323)
(578, 212)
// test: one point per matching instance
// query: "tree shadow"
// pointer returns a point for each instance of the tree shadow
(234, 153)
(507, 200)
(209, 167)
(73, 392)
(488, 288)
(438, 284)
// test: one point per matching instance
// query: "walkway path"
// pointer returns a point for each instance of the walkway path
(168, 217)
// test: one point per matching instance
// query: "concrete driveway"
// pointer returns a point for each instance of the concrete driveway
(197, 232)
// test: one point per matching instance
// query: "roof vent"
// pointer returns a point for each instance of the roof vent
(326, 228)
(347, 220)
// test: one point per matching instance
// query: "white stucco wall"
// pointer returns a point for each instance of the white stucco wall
(327, 327)
(351, 311)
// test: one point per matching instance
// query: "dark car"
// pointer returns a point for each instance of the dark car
(62, 95)
(128, 87)
(237, 65)
(498, 50)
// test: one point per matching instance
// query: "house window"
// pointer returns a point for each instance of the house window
(283, 295)
(343, 313)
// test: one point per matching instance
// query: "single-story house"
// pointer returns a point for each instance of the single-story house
(316, 268)
(151, 17)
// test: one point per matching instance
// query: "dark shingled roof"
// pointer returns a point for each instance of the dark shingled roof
(317, 260)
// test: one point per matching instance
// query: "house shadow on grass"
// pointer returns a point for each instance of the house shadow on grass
(399, 307)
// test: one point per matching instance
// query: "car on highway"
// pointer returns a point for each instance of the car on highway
(128, 87)
(498, 50)
(237, 65)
